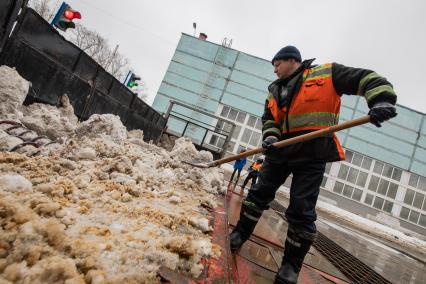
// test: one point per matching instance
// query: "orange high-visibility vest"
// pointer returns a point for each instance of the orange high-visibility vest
(315, 106)
(256, 166)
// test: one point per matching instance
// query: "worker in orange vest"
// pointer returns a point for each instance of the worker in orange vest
(253, 171)
(304, 98)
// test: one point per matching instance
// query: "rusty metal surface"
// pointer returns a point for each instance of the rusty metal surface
(349, 265)
(218, 270)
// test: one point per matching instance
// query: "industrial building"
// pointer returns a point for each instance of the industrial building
(383, 177)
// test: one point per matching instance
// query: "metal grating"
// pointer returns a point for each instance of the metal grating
(349, 265)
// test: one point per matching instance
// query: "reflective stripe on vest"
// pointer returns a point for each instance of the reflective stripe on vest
(315, 106)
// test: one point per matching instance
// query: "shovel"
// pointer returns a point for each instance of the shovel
(283, 143)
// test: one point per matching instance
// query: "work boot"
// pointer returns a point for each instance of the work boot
(249, 216)
(297, 246)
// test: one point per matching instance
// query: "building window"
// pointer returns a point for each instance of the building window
(374, 182)
(241, 117)
(231, 146)
(233, 114)
(422, 183)
(348, 156)
(366, 163)
(378, 167)
(362, 179)
(258, 124)
(338, 187)
(236, 133)
(422, 221)
(383, 186)
(418, 200)
(388, 206)
(409, 197)
(357, 194)
(404, 213)
(251, 121)
(369, 199)
(352, 175)
(414, 216)
(387, 171)
(347, 190)
(217, 141)
(397, 173)
(225, 111)
(357, 159)
(378, 203)
(246, 135)
(343, 171)
(255, 139)
(417, 181)
(393, 189)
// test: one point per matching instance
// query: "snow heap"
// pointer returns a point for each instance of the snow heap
(104, 207)
(102, 124)
(13, 90)
(49, 120)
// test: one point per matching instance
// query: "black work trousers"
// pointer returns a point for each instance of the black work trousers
(233, 173)
(250, 176)
(304, 190)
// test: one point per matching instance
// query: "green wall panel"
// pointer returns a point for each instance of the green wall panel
(246, 92)
(244, 105)
(250, 80)
(255, 66)
(192, 86)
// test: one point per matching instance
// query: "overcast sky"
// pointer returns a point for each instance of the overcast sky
(388, 36)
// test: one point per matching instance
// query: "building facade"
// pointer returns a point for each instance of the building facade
(384, 175)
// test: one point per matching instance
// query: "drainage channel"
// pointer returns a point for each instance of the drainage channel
(350, 266)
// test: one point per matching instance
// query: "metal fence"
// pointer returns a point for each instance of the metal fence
(55, 66)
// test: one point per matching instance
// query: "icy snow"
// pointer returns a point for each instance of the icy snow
(13, 90)
(375, 228)
(102, 124)
(15, 183)
(102, 206)
(49, 120)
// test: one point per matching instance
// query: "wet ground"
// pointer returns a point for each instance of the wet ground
(394, 263)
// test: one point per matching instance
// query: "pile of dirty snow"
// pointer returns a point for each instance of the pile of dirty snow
(13, 90)
(49, 120)
(104, 207)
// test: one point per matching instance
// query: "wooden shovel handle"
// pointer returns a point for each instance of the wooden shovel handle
(297, 139)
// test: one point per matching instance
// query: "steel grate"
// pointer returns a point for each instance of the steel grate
(349, 265)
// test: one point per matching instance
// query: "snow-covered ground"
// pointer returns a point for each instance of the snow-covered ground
(369, 226)
(101, 206)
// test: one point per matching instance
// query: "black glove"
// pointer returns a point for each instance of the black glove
(267, 144)
(380, 112)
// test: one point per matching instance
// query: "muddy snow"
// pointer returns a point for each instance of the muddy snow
(102, 206)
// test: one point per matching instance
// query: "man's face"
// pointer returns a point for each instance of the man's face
(284, 67)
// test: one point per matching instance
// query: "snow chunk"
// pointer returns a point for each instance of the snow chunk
(7, 142)
(15, 183)
(13, 90)
(103, 124)
(185, 150)
(49, 120)
(86, 153)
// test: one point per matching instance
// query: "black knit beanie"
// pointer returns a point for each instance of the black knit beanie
(288, 52)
